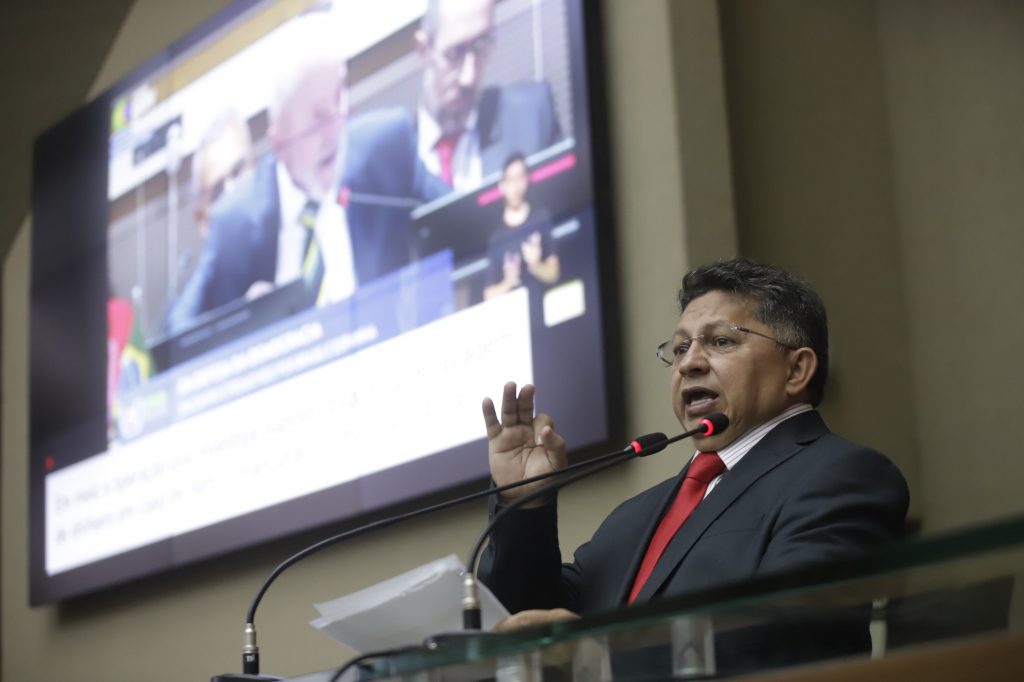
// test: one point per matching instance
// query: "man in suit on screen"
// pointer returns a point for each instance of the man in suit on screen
(291, 218)
(775, 490)
(465, 131)
(262, 233)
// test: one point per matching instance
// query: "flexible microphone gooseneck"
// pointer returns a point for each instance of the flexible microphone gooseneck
(471, 619)
(640, 447)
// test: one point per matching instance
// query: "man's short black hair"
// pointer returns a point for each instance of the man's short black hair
(788, 305)
(514, 157)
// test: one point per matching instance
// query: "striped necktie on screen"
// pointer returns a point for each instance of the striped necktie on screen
(313, 259)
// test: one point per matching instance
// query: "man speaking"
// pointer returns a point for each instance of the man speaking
(774, 491)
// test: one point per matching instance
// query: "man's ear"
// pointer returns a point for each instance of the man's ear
(803, 365)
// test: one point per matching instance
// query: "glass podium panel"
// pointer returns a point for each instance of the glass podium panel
(939, 591)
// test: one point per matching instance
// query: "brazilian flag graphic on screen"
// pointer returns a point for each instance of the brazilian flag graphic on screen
(136, 365)
(135, 368)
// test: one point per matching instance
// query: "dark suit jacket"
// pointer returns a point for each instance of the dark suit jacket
(382, 181)
(241, 248)
(801, 495)
(519, 117)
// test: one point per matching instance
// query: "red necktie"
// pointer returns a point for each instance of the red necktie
(703, 469)
(445, 147)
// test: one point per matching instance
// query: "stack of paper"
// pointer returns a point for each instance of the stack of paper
(404, 610)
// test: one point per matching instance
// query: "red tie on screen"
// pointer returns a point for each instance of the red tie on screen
(444, 148)
(704, 468)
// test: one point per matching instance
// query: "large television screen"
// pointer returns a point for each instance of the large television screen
(275, 270)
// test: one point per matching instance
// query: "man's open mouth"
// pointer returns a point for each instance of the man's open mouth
(695, 398)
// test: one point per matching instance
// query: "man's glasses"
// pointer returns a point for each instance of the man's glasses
(218, 188)
(478, 47)
(718, 342)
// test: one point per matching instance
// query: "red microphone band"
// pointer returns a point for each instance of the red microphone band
(715, 422)
(649, 444)
(709, 427)
(652, 443)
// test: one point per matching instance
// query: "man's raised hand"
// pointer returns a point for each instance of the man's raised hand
(520, 444)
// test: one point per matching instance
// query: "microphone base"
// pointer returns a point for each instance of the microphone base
(244, 677)
(472, 620)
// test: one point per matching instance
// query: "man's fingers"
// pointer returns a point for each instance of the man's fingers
(509, 405)
(491, 419)
(552, 442)
(515, 410)
(544, 427)
(530, 618)
(526, 404)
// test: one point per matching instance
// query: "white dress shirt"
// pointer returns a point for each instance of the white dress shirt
(291, 237)
(734, 452)
(336, 247)
(332, 233)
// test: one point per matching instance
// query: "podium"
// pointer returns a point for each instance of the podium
(941, 608)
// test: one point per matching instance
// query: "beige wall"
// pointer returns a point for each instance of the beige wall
(953, 83)
(873, 148)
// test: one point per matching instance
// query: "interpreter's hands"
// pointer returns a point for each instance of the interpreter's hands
(532, 249)
(521, 444)
(529, 618)
(512, 269)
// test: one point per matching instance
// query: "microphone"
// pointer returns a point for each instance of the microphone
(383, 200)
(641, 447)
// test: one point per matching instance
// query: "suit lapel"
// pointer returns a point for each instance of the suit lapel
(645, 538)
(780, 444)
(266, 217)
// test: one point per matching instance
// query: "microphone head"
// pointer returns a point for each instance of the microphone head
(649, 444)
(713, 423)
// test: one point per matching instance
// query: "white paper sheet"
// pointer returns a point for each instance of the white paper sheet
(404, 610)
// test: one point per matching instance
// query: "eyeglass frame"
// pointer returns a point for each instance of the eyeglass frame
(215, 190)
(660, 351)
(480, 45)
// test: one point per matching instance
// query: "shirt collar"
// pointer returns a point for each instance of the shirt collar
(293, 199)
(734, 452)
(430, 131)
